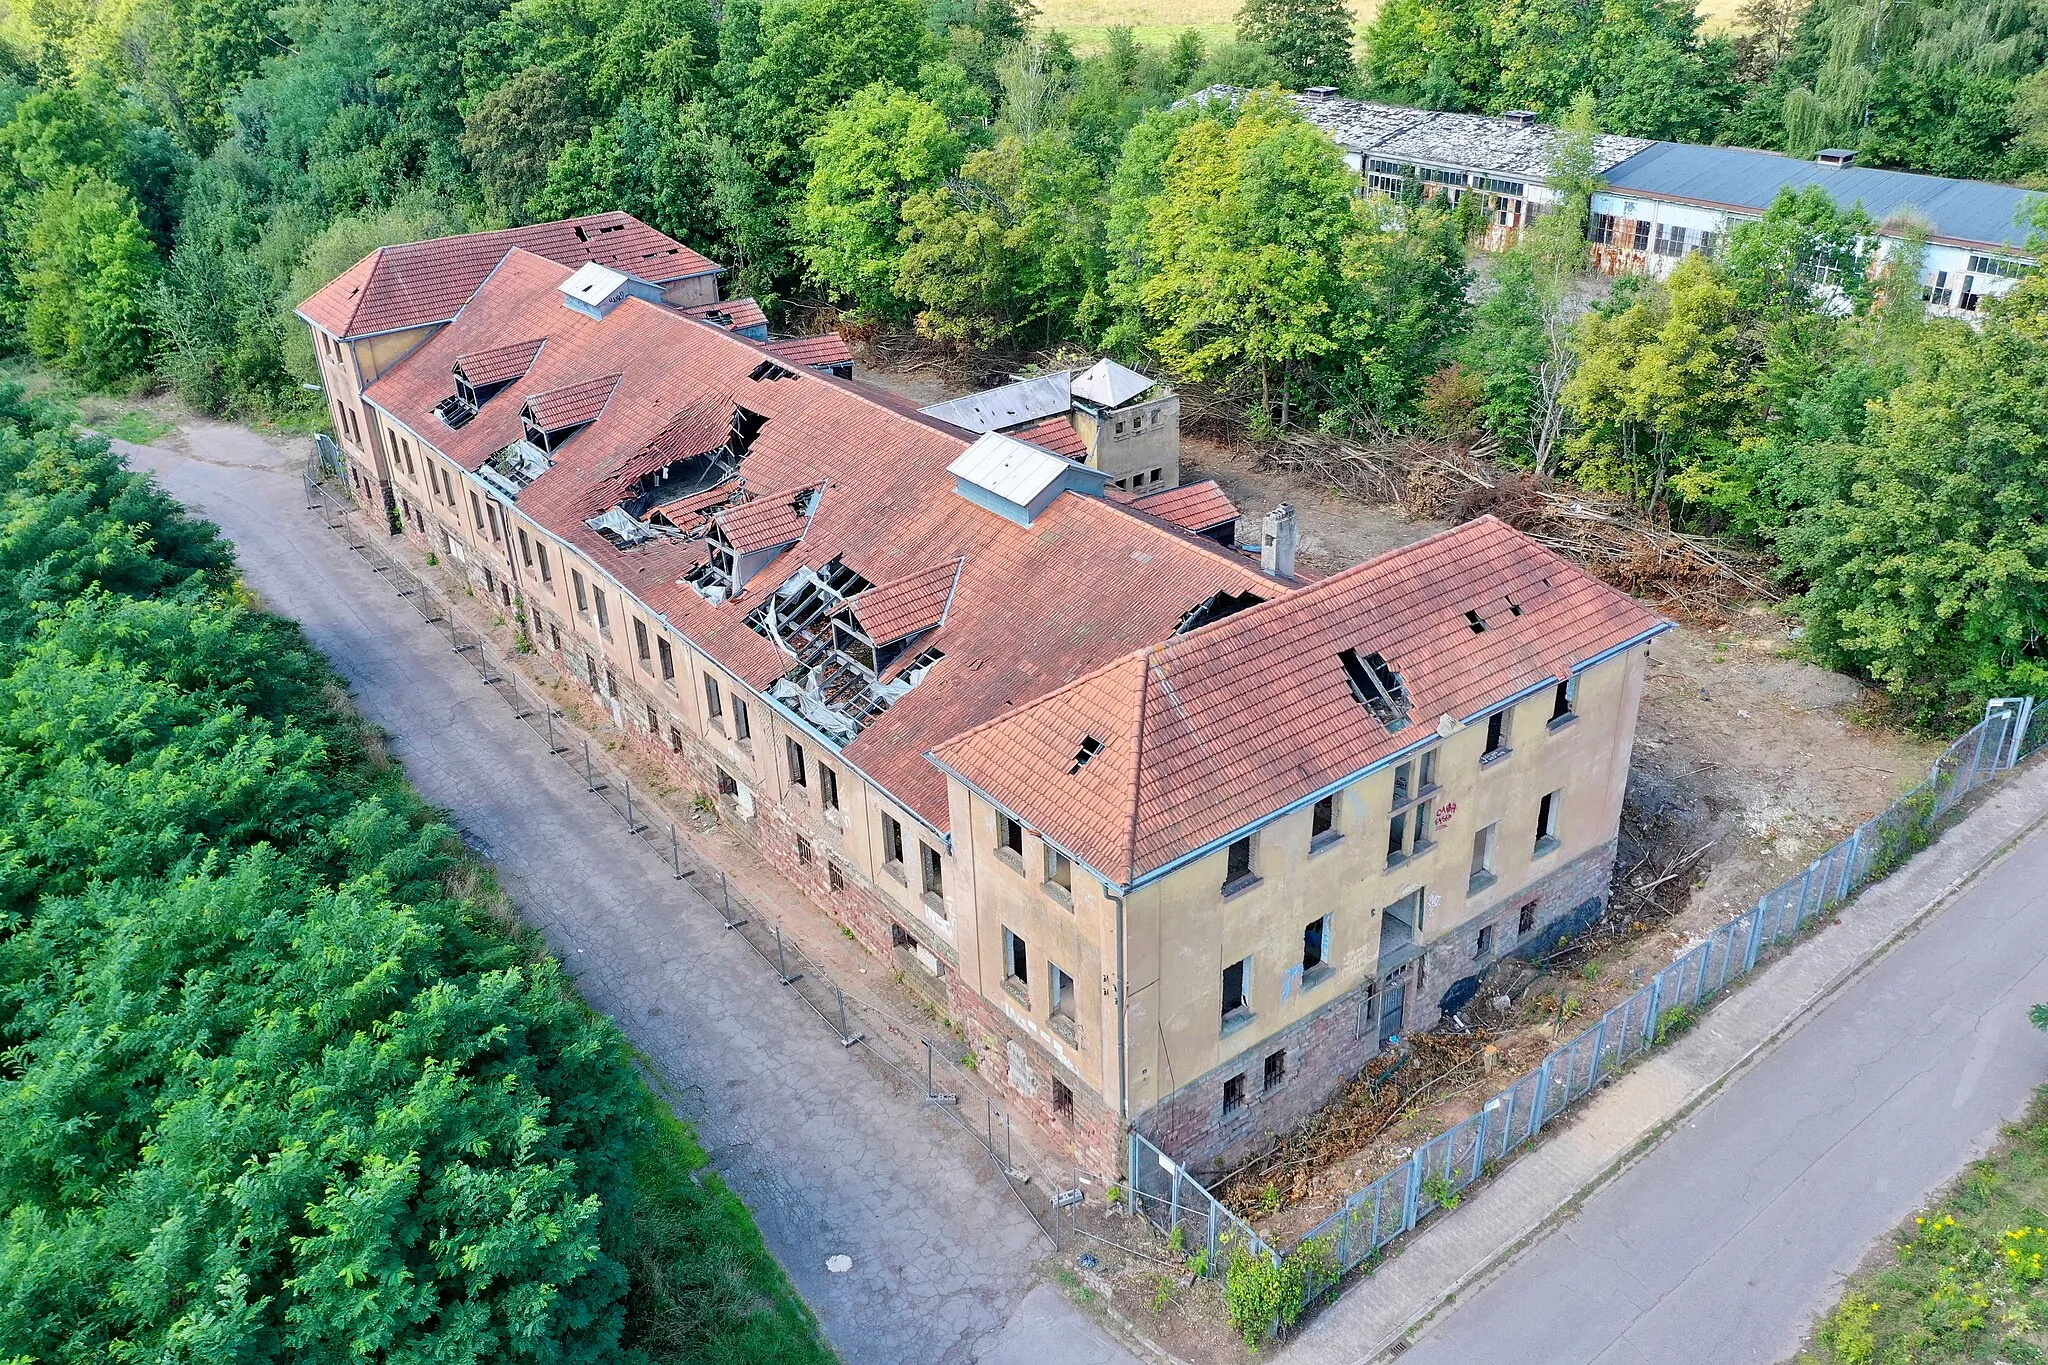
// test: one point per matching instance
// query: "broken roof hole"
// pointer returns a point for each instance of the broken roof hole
(1376, 687)
(1514, 608)
(1477, 622)
(1090, 746)
(1215, 609)
(769, 371)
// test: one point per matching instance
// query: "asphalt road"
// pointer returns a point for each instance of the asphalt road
(1726, 1241)
(832, 1152)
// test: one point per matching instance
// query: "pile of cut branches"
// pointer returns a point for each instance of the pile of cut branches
(1389, 1089)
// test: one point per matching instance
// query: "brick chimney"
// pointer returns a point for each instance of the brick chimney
(1277, 541)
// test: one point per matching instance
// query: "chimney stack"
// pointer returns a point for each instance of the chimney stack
(1277, 543)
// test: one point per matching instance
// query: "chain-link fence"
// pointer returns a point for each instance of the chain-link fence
(1441, 1167)
(857, 1018)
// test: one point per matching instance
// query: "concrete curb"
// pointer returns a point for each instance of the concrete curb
(1348, 1330)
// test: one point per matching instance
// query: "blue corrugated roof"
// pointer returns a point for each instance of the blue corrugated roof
(1974, 211)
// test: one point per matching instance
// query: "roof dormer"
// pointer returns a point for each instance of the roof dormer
(551, 418)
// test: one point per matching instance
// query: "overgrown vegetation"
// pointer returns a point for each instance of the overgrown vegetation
(1967, 1278)
(280, 1083)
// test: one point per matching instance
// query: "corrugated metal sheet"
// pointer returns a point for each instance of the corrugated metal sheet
(1027, 400)
(1972, 211)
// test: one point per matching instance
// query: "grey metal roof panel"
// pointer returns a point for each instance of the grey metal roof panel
(1027, 400)
(1971, 211)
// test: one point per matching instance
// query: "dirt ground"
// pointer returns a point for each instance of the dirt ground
(1749, 762)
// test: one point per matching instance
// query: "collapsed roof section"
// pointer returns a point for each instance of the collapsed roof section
(708, 437)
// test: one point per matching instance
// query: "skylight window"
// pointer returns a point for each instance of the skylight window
(1090, 746)
(1376, 687)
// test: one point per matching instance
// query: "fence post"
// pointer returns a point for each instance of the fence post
(631, 827)
(782, 964)
(1542, 1096)
(1756, 935)
(1173, 1207)
(847, 1039)
(1849, 865)
(1210, 1245)
(675, 850)
(1411, 1198)
(1599, 1045)
(589, 782)
(1479, 1147)
(2019, 731)
(1657, 1001)
(1977, 753)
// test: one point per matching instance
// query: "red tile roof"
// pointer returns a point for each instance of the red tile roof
(1056, 434)
(573, 404)
(823, 351)
(767, 519)
(416, 283)
(899, 609)
(1051, 627)
(497, 364)
(732, 314)
(1197, 506)
(1206, 733)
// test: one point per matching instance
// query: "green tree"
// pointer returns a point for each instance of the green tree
(1659, 383)
(1804, 255)
(816, 54)
(86, 269)
(1011, 250)
(1311, 39)
(513, 134)
(189, 55)
(1435, 53)
(874, 152)
(1930, 573)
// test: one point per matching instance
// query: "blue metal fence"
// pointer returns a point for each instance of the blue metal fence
(1458, 1156)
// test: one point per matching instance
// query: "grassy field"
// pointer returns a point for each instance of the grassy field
(1966, 1280)
(1157, 21)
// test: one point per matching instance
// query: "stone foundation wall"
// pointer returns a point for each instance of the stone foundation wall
(1327, 1048)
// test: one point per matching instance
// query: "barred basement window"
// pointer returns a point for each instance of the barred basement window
(803, 849)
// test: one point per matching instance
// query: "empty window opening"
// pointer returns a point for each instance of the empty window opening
(1315, 944)
(604, 616)
(611, 682)
(1010, 836)
(728, 785)
(1322, 821)
(525, 548)
(1276, 1069)
(828, 787)
(892, 845)
(1564, 701)
(675, 739)
(1482, 858)
(742, 728)
(555, 637)
(798, 776)
(714, 703)
(640, 641)
(1237, 1002)
(668, 661)
(1016, 960)
(1237, 864)
(1376, 687)
(1233, 1095)
(934, 873)
(1090, 746)
(1546, 822)
(1059, 870)
(653, 722)
(582, 589)
(1061, 992)
(541, 553)
(1485, 947)
(1525, 922)
(1498, 731)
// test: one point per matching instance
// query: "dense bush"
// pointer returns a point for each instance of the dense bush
(274, 1082)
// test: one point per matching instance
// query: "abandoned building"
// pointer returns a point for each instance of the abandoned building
(1662, 201)
(1178, 838)
(1107, 416)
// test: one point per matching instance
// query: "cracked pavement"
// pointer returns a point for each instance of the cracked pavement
(831, 1150)
(1725, 1241)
